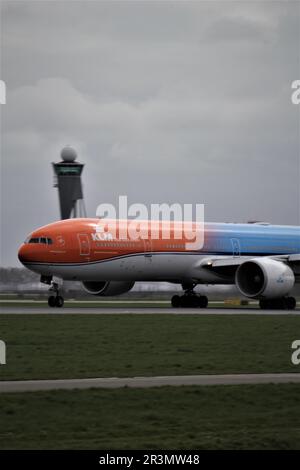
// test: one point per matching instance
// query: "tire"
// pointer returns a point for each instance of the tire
(188, 301)
(264, 304)
(52, 301)
(202, 301)
(59, 301)
(175, 301)
(287, 303)
(290, 303)
(184, 301)
(280, 304)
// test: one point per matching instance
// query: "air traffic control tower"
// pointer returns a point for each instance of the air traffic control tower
(68, 181)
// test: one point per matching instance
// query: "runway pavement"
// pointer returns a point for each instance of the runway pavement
(142, 311)
(147, 382)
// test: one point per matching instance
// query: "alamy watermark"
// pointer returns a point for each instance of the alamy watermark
(2, 353)
(183, 222)
(2, 92)
(2, 343)
(295, 97)
(296, 354)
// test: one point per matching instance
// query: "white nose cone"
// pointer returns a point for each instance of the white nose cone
(68, 154)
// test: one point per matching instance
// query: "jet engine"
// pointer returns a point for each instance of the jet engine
(107, 288)
(264, 278)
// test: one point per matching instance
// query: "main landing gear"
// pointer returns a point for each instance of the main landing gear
(189, 299)
(55, 300)
(285, 303)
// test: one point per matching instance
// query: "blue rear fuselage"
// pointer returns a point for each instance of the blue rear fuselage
(251, 239)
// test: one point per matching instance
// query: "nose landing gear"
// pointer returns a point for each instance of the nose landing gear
(55, 300)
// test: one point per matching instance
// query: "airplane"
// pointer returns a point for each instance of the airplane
(261, 260)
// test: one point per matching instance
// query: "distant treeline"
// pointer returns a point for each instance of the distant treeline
(17, 276)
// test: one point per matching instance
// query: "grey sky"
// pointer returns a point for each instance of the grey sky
(164, 101)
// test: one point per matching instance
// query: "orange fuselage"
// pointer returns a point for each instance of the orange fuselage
(89, 240)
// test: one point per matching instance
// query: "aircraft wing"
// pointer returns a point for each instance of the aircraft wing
(228, 265)
(224, 266)
(290, 259)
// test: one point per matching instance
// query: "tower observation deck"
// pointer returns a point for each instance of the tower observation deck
(67, 174)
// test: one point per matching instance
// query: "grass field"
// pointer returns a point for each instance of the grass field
(233, 417)
(77, 346)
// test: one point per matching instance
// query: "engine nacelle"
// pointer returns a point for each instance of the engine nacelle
(264, 278)
(107, 288)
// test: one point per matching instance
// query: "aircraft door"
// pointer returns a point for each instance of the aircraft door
(236, 249)
(84, 244)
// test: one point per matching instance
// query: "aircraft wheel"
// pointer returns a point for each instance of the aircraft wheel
(184, 301)
(290, 303)
(190, 301)
(287, 303)
(281, 304)
(176, 301)
(202, 301)
(264, 304)
(271, 304)
(59, 301)
(52, 301)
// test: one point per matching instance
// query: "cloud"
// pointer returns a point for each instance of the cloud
(174, 102)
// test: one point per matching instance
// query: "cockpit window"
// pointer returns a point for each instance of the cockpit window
(34, 240)
(44, 240)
